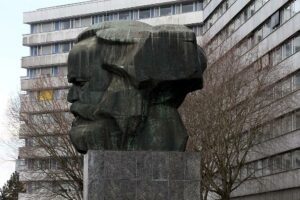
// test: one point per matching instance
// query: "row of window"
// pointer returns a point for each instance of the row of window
(47, 95)
(55, 48)
(46, 187)
(197, 28)
(39, 164)
(285, 50)
(272, 23)
(46, 71)
(272, 165)
(143, 13)
(51, 119)
(40, 141)
(272, 58)
(206, 2)
(218, 12)
(280, 126)
(284, 87)
(237, 22)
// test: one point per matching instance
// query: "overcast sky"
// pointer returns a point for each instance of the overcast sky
(11, 51)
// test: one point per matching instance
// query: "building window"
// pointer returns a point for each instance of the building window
(87, 21)
(46, 50)
(65, 24)
(277, 128)
(258, 4)
(251, 10)
(287, 161)
(258, 168)
(277, 164)
(297, 81)
(296, 159)
(287, 123)
(267, 28)
(47, 27)
(267, 166)
(56, 26)
(258, 35)
(287, 87)
(187, 7)
(124, 15)
(296, 44)
(35, 28)
(178, 9)
(287, 49)
(45, 95)
(144, 13)
(199, 5)
(55, 48)
(297, 119)
(275, 20)
(286, 13)
(165, 10)
(155, 12)
(32, 73)
(55, 71)
(65, 47)
(276, 58)
(297, 6)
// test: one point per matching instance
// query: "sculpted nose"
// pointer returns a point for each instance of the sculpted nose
(73, 94)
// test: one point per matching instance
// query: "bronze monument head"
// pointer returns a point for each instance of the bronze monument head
(128, 80)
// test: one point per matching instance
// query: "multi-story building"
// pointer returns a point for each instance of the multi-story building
(269, 28)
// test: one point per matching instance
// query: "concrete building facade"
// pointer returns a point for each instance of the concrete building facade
(268, 27)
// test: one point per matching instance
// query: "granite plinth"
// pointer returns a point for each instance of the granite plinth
(143, 175)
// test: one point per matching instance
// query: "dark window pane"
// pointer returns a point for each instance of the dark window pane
(166, 10)
(188, 7)
(145, 13)
(297, 81)
(296, 159)
(65, 24)
(275, 20)
(277, 163)
(65, 47)
(297, 120)
(124, 15)
(297, 44)
(266, 165)
(287, 161)
(56, 26)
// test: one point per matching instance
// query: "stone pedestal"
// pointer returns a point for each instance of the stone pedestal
(132, 175)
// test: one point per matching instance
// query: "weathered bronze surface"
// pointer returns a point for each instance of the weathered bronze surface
(128, 80)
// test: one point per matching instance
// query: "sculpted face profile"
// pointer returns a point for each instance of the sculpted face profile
(128, 79)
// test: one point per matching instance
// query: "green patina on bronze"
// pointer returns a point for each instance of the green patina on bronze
(128, 80)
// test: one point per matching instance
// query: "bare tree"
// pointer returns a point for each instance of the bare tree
(224, 120)
(45, 122)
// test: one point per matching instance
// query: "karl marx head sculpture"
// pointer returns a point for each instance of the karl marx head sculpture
(128, 80)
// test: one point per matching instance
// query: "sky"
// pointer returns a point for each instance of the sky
(12, 29)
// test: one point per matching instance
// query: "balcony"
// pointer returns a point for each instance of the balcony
(41, 195)
(39, 152)
(27, 131)
(32, 152)
(45, 60)
(280, 181)
(185, 18)
(44, 82)
(86, 8)
(50, 37)
(43, 106)
(261, 15)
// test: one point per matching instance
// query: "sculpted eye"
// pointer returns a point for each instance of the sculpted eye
(79, 83)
